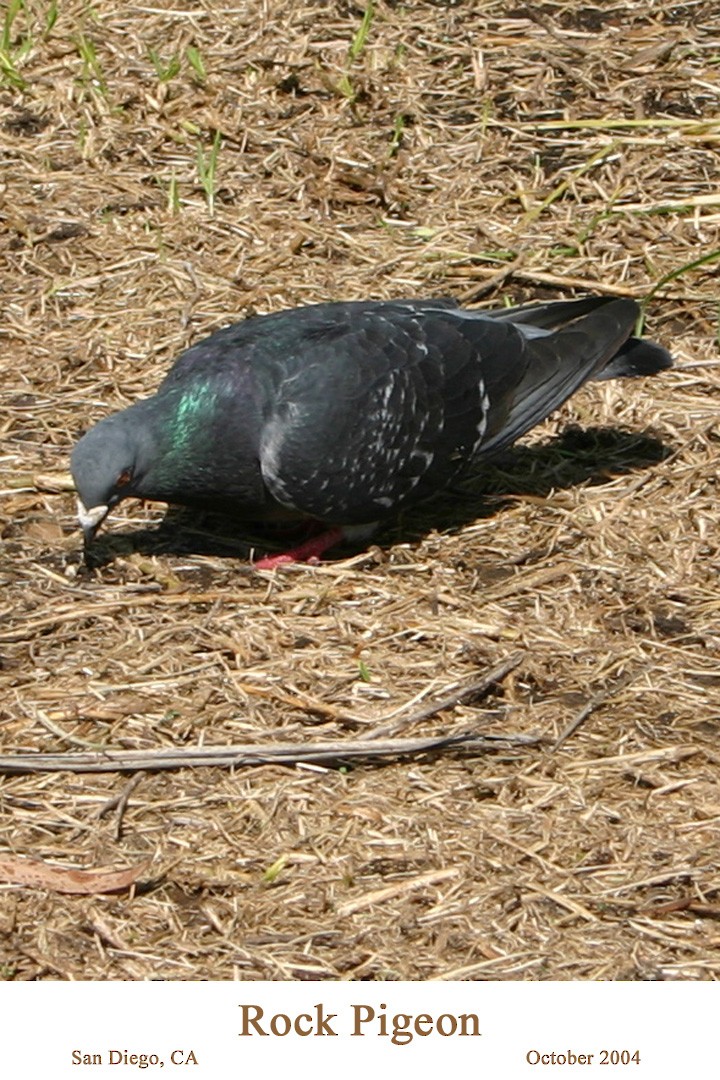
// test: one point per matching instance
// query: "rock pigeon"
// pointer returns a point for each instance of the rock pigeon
(344, 412)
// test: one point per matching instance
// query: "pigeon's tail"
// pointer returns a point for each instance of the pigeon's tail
(566, 345)
(636, 357)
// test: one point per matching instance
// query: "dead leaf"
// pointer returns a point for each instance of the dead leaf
(47, 531)
(62, 879)
(17, 504)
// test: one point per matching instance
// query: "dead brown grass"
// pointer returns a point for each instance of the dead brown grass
(457, 165)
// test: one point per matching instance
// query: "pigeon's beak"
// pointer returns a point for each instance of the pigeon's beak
(90, 520)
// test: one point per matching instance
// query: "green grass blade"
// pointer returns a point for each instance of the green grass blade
(275, 869)
(703, 260)
(397, 134)
(197, 64)
(207, 168)
(164, 71)
(92, 69)
(13, 10)
(9, 73)
(608, 124)
(358, 42)
(51, 17)
(597, 158)
(173, 203)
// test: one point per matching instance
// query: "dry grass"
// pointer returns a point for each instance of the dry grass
(469, 150)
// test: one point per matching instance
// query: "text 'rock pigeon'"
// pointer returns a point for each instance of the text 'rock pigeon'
(345, 412)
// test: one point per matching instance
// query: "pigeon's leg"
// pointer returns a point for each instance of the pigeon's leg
(309, 551)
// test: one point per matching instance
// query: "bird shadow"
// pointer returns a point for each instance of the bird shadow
(578, 456)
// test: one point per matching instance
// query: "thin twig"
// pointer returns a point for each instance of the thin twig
(476, 292)
(120, 801)
(254, 754)
(75, 612)
(562, 281)
(559, 35)
(73, 740)
(464, 693)
(397, 888)
(595, 703)
(691, 365)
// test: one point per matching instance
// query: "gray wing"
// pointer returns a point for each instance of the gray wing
(392, 403)
(568, 343)
(387, 408)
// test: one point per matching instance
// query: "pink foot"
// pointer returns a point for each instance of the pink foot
(309, 552)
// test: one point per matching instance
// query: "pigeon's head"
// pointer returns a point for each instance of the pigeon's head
(107, 465)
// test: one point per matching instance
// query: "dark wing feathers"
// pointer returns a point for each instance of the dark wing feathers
(554, 315)
(394, 416)
(635, 356)
(557, 365)
(412, 392)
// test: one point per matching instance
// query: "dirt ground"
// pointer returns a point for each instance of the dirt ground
(167, 169)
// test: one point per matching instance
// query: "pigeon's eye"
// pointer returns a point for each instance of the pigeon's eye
(124, 478)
